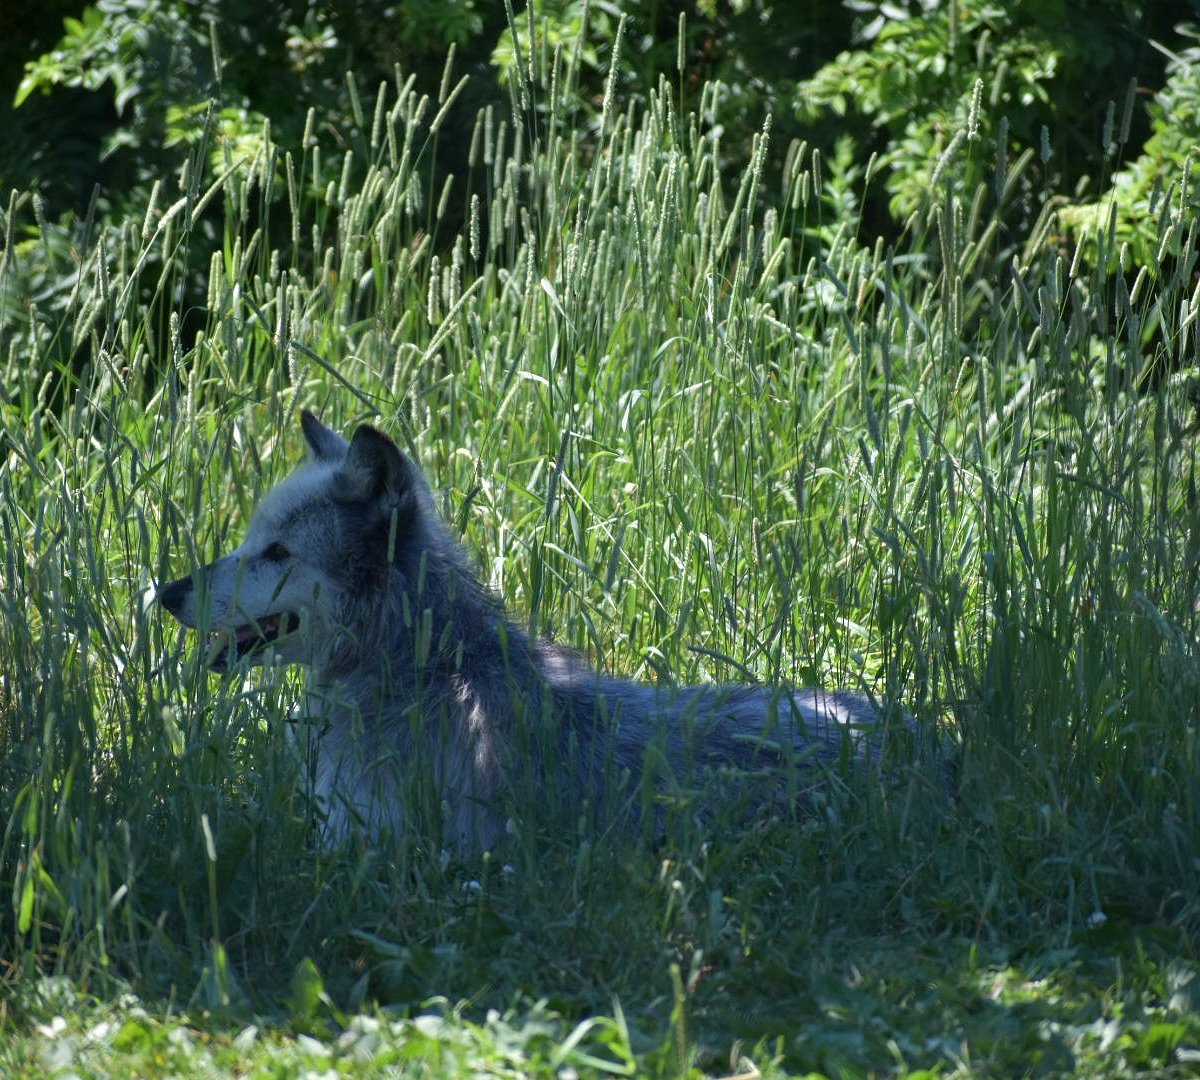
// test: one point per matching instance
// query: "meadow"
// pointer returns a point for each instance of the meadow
(699, 426)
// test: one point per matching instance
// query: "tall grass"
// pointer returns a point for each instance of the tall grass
(695, 425)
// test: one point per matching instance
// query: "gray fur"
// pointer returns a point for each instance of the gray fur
(419, 682)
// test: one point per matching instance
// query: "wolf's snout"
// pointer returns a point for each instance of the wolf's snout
(174, 595)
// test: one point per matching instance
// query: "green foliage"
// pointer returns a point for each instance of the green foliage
(569, 26)
(427, 26)
(746, 56)
(146, 55)
(125, 45)
(694, 419)
(677, 442)
(1160, 183)
(922, 79)
(1010, 75)
(138, 76)
(76, 1034)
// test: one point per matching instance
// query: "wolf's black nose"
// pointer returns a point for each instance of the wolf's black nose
(173, 595)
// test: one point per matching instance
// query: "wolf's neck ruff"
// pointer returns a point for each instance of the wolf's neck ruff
(421, 684)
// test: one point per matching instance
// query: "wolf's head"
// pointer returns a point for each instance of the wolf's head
(316, 555)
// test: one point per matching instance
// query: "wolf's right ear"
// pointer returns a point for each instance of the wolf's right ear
(325, 444)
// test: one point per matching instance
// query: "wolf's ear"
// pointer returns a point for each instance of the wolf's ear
(376, 470)
(325, 444)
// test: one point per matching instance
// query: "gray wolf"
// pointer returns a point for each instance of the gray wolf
(417, 675)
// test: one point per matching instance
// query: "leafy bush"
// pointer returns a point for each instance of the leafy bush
(1164, 178)
(141, 79)
(1028, 84)
(156, 107)
(144, 58)
(1029, 79)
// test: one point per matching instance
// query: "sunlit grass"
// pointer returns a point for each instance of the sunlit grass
(695, 426)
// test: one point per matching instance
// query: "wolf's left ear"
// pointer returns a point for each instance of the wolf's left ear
(325, 444)
(376, 470)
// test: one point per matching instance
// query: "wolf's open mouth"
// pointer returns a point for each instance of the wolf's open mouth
(250, 638)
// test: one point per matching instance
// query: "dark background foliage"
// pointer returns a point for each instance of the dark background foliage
(115, 106)
(116, 96)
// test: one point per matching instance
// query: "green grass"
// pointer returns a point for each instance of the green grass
(694, 426)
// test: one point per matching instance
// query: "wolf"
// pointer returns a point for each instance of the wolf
(418, 676)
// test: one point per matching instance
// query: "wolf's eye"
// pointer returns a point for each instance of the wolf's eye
(276, 552)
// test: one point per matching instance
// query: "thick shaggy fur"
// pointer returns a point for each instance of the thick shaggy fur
(421, 684)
